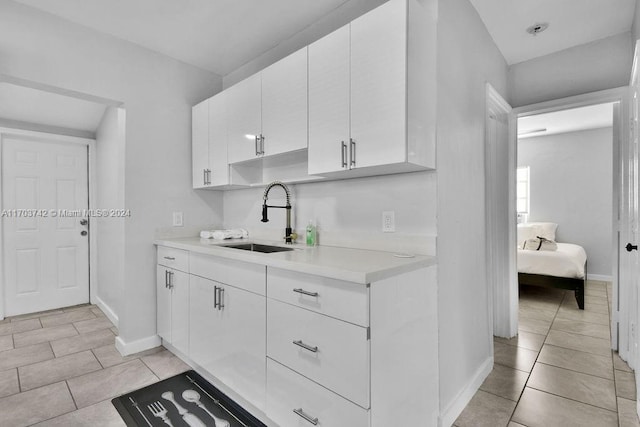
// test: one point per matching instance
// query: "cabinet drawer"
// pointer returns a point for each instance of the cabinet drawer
(173, 258)
(331, 352)
(243, 275)
(344, 300)
(288, 391)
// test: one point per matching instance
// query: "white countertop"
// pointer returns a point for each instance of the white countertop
(353, 265)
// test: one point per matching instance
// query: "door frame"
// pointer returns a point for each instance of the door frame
(619, 318)
(91, 163)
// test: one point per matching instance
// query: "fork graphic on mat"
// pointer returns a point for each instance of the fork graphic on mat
(159, 411)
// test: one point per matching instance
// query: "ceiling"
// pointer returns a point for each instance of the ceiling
(575, 119)
(571, 23)
(216, 35)
(23, 104)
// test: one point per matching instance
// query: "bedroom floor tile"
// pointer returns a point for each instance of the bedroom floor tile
(582, 328)
(625, 385)
(505, 382)
(579, 342)
(583, 315)
(526, 340)
(620, 364)
(592, 364)
(536, 326)
(514, 357)
(486, 410)
(627, 413)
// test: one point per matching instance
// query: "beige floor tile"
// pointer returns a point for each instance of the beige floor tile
(95, 324)
(534, 313)
(540, 409)
(512, 424)
(6, 342)
(25, 356)
(111, 382)
(585, 316)
(582, 328)
(595, 292)
(591, 305)
(579, 361)
(627, 414)
(97, 312)
(535, 326)
(79, 307)
(37, 405)
(115, 331)
(514, 357)
(108, 355)
(43, 335)
(625, 385)
(19, 326)
(164, 364)
(34, 315)
(101, 414)
(82, 342)
(584, 388)
(486, 409)
(620, 364)
(64, 318)
(9, 383)
(579, 342)
(59, 369)
(505, 382)
(525, 340)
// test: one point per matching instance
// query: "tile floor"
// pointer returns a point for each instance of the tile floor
(61, 368)
(560, 370)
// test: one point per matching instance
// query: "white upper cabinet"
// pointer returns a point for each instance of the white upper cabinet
(284, 104)
(218, 163)
(200, 143)
(329, 102)
(244, 119)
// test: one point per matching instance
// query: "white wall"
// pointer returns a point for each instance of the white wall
(571, 184)
(635, 26)
(467, 59)
(110, 194)
(602, 64)
(157, 93)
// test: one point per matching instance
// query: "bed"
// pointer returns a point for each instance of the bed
(565, 268)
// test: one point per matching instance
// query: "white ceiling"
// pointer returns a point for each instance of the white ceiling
(22, 104)
(571, 23)
(583, 118)
(216, 35)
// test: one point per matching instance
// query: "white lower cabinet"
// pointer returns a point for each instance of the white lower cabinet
(172, 298)
(227, 335)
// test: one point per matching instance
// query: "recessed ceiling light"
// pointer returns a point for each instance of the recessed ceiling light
(537, 28)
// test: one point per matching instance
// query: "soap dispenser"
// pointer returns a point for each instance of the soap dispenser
(311, 234)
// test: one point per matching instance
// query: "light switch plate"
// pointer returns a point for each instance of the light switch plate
(389, 222)
(177, 219)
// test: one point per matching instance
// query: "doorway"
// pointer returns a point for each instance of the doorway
(45, 207)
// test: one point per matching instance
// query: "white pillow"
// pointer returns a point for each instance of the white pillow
(525, 232)
(531, 230)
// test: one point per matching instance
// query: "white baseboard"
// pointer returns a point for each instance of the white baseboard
(600, 277)
(453, 410)
(127, 348)
(108, 311)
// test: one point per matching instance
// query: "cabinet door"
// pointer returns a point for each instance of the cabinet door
(218, 163)
(284, 104)
(202, 316)
(180, 311)
(239, 343)
(328, 101)
(244, 120)
(379, 84)
(163, 304)
(200, 142)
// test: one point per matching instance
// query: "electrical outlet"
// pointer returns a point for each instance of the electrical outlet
(177, 219)
(389, 222)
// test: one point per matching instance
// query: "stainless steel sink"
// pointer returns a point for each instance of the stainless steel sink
(255, 247)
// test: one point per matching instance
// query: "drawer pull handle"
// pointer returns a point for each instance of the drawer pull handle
(309, 418)
(302, 291)
(299, 343)
(170, 258)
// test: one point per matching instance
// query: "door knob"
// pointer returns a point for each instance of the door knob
(84, 222)
(631, 247)
(83, 233)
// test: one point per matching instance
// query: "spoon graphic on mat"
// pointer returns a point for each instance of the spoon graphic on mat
(188, 417)
(193, 396)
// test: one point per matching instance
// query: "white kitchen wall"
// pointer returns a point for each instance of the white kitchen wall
(635, 27)
(110, 194)
(158, 93)
(571, 181)
(602, 64)
(467, 59)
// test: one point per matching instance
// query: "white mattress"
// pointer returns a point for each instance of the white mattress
(567, 261)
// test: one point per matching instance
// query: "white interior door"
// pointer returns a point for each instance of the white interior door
(46, 252)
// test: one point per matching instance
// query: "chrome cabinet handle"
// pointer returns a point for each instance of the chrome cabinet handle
(221, 298)
(170, 258)
(343, 149)
(262, 144)
(204, 177)
(302, 291)
(352, 152)
(257, 150)
(299, 343)
(166, 278)
(215, 297)
(171, 280)
(308, 418)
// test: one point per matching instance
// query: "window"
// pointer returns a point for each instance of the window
(522, 192)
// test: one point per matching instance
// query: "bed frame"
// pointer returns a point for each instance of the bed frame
(576, 285)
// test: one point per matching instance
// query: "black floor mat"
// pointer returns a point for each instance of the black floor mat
(204, 405)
